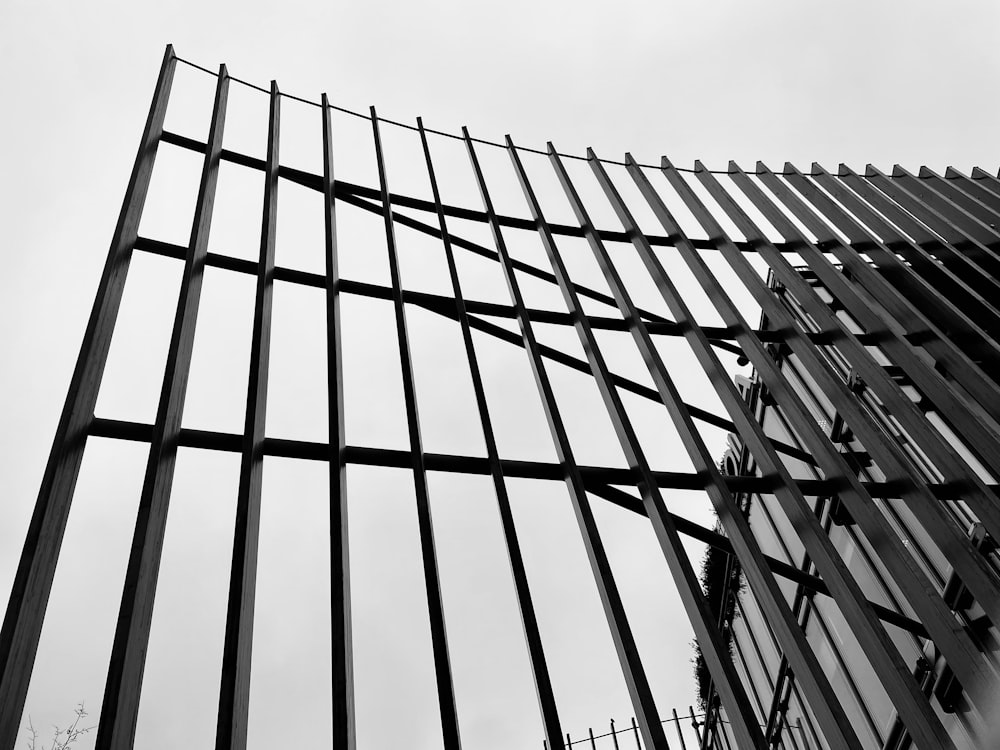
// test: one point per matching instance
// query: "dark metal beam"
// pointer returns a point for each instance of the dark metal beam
(234, 692)
(341, 641)
(536, 654)
(941, 250)
(22, 624)
(689, 589)
(312, 451)
(943, 527)
(614, 610)
(889, 288)
(446, 306)
(345, 190)
(751, 559)
(120, 710)
(973, 324)
(943, 222)
(435, 604)
(879, 647)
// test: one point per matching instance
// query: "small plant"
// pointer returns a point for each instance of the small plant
(61, 738)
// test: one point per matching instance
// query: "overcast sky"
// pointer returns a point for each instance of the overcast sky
(858, 82)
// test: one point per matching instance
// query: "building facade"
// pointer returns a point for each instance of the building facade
(779, 705)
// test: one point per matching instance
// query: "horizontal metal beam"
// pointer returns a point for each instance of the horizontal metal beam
(345, 189)
(362, 455)
(661, 327)
(598, 479)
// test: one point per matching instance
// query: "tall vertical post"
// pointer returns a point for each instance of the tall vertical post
(344, 734)
(975, 245)
(234, 692)
(762, 583)
(968, 186)
(915, 326)
(878, 647)
(532, 637)
(694, 724)
(688, 587)
(941, 248)
(943, 528)
(677, 725)
(22, 624)
(614, 609)
(929, 285)
(432, 579)
(120, 710)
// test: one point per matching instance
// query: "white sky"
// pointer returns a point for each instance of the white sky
(908, 82)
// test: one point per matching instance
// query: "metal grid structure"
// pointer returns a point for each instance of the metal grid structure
(894, 280)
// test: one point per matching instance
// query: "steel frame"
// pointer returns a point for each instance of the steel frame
(910, 264)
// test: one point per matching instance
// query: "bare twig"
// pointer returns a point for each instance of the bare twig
(61, 738)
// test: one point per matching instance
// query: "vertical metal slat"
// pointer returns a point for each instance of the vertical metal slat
(946, 224)
(974, 188)
(536, 654)
(614, 609)
(942, 526)
(941, 248)
(342, 655)
(957, 215)
(22, 624)
(888, 664)
(790, 638)
(936, 288)
(905, 294)
(920, 592)
(234, 694)
(959, 191)
(435, 606)
(896, 347)
(116, 730)
(746, 548)
(688, 586)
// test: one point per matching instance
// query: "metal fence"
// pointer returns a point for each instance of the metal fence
(904, 312)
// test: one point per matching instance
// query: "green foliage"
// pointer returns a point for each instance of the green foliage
(721, 582)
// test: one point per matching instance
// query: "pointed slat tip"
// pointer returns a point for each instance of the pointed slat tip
(274, 88)
(223, 71)
(698, 166)
(871, 170)
(843, 170)
(925, 172)
(761, 168)
(665, 163)
(591, 155)
(898, 171)
(733, 167)
(816, 168)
